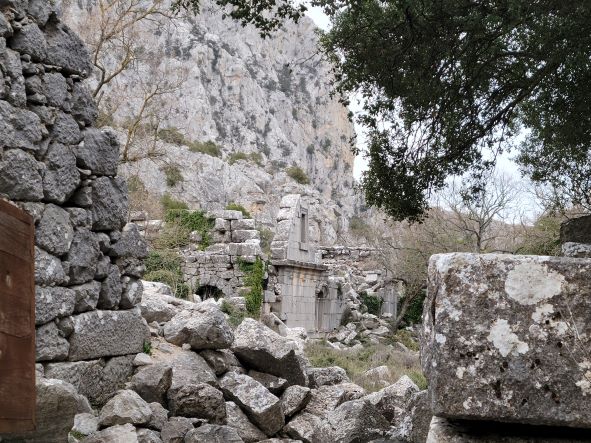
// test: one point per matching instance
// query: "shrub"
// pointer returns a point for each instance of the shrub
(172, 279)
(171, 135)
(209, 147)
(358, 226)
(185, 222)
(266, 238)
(254, 278)
(298, 174)
(236, 207)
(414, 313)
(169, 203)
(372, 302)
(405, 337)
(235, 315)
(164, 266)
(236, 156)
(310, 149)
(355, 363)
(173, 175)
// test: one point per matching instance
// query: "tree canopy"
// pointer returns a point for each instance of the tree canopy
(445, 85)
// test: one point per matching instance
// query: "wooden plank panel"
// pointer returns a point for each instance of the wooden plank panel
(17, 320)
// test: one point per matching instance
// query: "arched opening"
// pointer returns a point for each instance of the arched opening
(208, 291)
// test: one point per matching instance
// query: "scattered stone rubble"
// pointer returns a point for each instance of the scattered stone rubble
(506, 339)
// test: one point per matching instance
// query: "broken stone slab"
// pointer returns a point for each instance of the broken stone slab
(357, 420)
(98, 152)
(294, 399)
(109, 203)
(114, 434)
(443, 430)
(107, 333)
(86, 296)
(236, 419)
(308, 428)
(505, 338)
(152, 382)
(126, 407)
(221, 361)
(392, 400)
(332, 375)
(97, 380)
(159, 416)
(262, 349)
(58, 403)
(200, 401)
(147, 436)
(175, 429)
(213, 434)
(202, 327)
(275, 385)
(262, 407)
(327, 398)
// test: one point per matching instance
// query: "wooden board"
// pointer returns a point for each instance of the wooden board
(17, 320)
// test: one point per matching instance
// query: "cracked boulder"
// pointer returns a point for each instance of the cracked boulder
(505, 338)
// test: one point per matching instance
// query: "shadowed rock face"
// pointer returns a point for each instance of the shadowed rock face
(506, 338)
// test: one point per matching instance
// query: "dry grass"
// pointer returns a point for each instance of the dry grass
(356, 363)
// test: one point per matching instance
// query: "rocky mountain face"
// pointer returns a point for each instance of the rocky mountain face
(265, 103)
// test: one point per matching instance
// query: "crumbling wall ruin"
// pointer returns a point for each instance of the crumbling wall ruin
(60, 169)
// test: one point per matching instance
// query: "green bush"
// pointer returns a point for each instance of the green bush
(405, 337)
(298, 174)
(236, 156)
(236, 207)
(209, 147)
(266, 238)
(171, 135)
(235, 315)
(372, 302)
(172, 279)
(173, 175)
(163, 259)
(254, 278)
(168, 203)
(189, 221)
(414, 313)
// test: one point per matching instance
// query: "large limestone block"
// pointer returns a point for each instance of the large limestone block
(203, 327)
(357, 421)
(152, 382)
(107, 333)
(506, 338)
(115, 434)
(264, 350)
(198, 400)
(446, 431)
(238, 420)
(126, 407)
(262, 407)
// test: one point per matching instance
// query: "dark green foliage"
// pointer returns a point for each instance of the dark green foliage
(254, 157)
(254, 278)
(298, 174)
(171, 135)
(414, 313)
(235, 315)
(175, 136)
(173, 175)
(169, 203)
(147, 348)
(454, 81)
(372, 302)
(236, 207)
(266, 238)
(310, 149)
(543, 238)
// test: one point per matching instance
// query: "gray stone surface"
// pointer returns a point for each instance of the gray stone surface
(57, 405)
(131, 294)
(30, 40)
(203, 327)
(125, 407)
(392, 401)
(152, 382)
(85, 423)
(264, 350)
(175, 429)
(20, 176)
(442, 430)
(420, 417)
(65, 49)
(294, 399)
(109, 203)
(332, 375)
(20, 128)
(83, 107)
(54, 233)
(86, 296)
(107, 333)
(357, 420)
(110, 294)
(236, 419)
(262, 407)
(221, 361)
(97, 380)
(576, 250)
(53, 302)
(61, 177)
(49, 269)
(114, 434)
(308, 428)
(156, 306)
(213, 434)
(159, 416)
(131, 243)
(275, 385)
(65, 130)
(50, 344)
(83, 256)
(329, 397)
(99, 152)
(505, 338)
(148, 436)
(200, 401)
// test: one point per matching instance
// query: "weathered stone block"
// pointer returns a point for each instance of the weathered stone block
(30, 40)
(49, 343)
(99, 152)
(65, 49)
(20, 176)
(19, 128)
(109, 198)
(54, 233)
(107, 333)
(53, 302)
(49, 270)
(83, 256)
(242, 235)
(506, 338)
(61, 176)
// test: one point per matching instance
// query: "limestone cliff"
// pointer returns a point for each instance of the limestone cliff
(267, 97)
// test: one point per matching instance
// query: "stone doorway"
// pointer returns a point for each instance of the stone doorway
(209, 291)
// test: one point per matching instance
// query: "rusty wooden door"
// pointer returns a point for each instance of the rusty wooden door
(17, 320)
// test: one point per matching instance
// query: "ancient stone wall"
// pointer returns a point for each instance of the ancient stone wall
(61, 170)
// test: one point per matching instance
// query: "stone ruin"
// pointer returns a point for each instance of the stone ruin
(506, 348)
